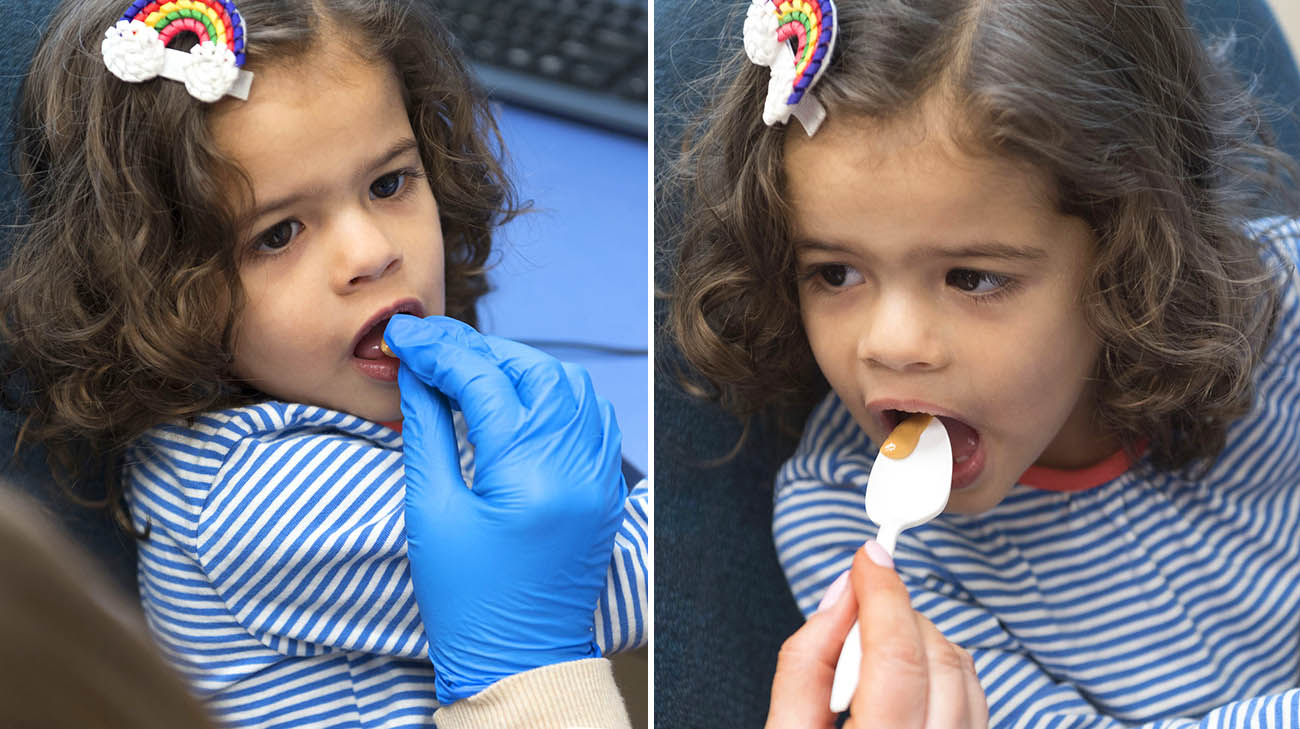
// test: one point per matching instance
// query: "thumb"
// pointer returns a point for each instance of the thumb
(429, 452)
(805, 667)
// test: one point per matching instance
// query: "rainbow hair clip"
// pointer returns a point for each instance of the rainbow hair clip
(135, 48)
(795, 38)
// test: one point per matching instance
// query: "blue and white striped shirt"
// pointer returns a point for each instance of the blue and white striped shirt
(275, 575)
(1152, 599)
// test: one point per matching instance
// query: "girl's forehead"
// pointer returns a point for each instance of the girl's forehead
(322, 119)
(922, 144)
(329, 68)
(935, 123)
(909, 183)
(329, 61)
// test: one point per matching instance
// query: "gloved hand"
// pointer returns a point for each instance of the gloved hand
(507, 575)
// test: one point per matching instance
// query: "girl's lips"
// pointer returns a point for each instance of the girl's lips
(383, 369)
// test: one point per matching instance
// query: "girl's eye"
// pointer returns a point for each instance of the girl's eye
(388, 185)
(837, 275)
(278, 236)
(976, 282)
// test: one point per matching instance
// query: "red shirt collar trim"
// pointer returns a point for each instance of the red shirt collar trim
(395, 425)
(1082, 479)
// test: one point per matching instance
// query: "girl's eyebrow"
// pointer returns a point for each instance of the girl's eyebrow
(397, 149)
(807, 244)
(982, 249)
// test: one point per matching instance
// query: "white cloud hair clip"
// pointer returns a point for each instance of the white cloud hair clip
(795, 38)
(135, 48)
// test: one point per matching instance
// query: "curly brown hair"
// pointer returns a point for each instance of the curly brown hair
(1148, 137)
(121, 294)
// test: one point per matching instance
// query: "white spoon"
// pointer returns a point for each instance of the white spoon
(905, 490)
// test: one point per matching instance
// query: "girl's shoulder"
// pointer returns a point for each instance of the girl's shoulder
(213, 435)
(1280, 248)
(1280, 242)
(832, 448)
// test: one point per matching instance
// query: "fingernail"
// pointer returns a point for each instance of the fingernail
(878, 554)
(835, 591)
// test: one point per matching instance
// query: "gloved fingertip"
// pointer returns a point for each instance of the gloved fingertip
(398, 333)
(440, 327)
(464, 335)
(405, 331)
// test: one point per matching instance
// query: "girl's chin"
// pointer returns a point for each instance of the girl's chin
(971, 501)
(375, 409)
(985, 492)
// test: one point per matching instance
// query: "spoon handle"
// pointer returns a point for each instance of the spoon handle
(845, 682)
(846, 670)
(887, 537)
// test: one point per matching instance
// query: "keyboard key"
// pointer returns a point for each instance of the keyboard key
(598, 48)
(519, 57)
(551, 66)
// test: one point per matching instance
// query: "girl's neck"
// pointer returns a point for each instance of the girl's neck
(1081, 442)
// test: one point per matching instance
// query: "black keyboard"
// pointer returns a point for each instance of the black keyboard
(582, 59)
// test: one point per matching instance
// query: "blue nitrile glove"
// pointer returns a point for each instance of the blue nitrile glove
(507, 575)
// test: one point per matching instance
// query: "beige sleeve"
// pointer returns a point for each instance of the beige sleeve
(560, 696)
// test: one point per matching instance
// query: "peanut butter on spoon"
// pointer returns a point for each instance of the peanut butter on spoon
(903, 439)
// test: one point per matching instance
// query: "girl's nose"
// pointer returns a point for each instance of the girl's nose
(365, 251)
(902, 333)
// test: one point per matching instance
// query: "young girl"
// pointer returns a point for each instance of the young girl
(200, 289)
(1032, 220)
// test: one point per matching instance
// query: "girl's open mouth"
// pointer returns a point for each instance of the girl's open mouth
(368, 347)
(967, 455)
(367, 355)
(370, 359)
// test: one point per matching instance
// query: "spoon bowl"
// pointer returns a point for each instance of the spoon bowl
(907, 492)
